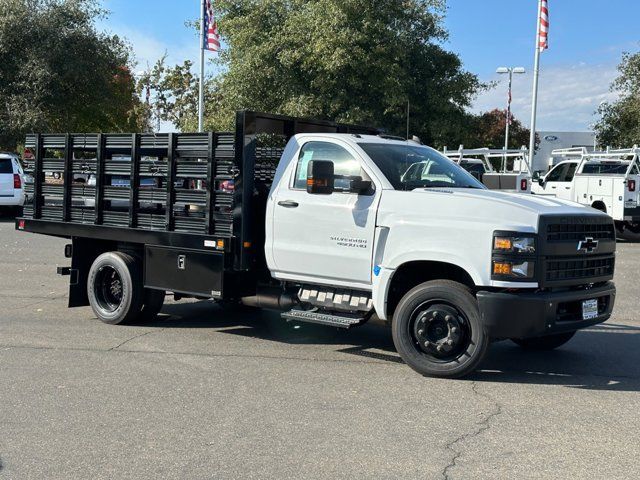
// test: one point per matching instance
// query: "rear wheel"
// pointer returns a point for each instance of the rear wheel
(437, 330)
(114, 288)
(548, 342)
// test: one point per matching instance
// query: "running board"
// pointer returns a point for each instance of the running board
(340, 321)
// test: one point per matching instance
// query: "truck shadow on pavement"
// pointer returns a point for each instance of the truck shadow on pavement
(604, 357)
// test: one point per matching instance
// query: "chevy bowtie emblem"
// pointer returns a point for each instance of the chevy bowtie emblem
(588, 245)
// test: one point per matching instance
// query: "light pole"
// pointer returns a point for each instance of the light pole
(510, 71)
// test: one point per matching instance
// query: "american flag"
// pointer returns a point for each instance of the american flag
(543, 34)
(211, 34)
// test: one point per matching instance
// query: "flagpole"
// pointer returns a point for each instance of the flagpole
(534, 97)
(201, 80)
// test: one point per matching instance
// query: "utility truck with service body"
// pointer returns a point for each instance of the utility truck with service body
(497, 169)
(608, 181)
(329, 224)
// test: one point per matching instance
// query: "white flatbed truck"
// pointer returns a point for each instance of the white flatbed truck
(336, 228)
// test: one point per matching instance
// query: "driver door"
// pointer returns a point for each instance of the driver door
(325, 238)
(552, 180)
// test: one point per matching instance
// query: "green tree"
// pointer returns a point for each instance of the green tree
(170, 94)
(58, 73)
(489, 130)
(619, 124)
(354, 61)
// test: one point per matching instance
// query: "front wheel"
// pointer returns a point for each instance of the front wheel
(437, 330)
(548, 342)
(629, 231)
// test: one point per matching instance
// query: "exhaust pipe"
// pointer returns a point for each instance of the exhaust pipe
(271, 299)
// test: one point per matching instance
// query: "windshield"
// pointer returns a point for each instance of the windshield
(412, 166)
(605, 168)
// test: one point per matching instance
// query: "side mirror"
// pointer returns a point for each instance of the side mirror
(320, 177)
(541, 181)
(360, 186)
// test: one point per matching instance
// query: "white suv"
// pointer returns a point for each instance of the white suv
(12, 180)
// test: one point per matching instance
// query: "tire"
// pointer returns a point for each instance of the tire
(438, 306)
(546, 343)
(630, 232)
(153, 302)
(115, 288)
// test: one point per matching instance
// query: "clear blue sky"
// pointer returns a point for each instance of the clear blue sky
(587, 38)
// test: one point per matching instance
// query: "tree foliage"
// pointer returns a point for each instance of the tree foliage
(488, 130)
(354, 61)
(619, 124)
(170, 94)
(58, 73)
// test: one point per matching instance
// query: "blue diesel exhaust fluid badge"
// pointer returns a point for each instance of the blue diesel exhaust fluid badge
(376, 270)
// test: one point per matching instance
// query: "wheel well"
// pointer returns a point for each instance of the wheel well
(599, 205)
(84, 253)
(412, 274)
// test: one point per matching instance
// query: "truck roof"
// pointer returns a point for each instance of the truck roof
(356, 138)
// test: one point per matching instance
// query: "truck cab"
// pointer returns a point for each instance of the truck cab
(430, 252)
(558, 182)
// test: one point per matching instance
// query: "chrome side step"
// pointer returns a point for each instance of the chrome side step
(310, 316)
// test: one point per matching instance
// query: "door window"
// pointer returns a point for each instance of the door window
(557, 173)
(569, 173)
(343, 162)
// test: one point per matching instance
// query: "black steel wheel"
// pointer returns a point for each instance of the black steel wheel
(437, 330)
(548, 342)
(114, 288)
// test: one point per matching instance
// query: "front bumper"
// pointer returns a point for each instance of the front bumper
(533, 314)
(632, 214)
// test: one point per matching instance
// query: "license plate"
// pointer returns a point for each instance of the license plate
(589, 309)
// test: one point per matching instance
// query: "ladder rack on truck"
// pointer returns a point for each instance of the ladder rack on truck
(605, 180)
(221, 224)
(517, 179)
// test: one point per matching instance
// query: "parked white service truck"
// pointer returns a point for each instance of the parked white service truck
(608, 181)
(340, 226)
(512, 175)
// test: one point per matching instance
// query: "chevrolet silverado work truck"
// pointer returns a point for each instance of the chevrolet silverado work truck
(327, 223)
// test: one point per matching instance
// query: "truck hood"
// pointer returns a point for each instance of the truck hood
(499, 209)
(533, 203)
(456, 226)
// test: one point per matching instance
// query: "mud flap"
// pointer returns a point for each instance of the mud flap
(83, 254)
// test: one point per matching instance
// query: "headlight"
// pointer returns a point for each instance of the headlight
(514, 257)
(508, 244)
(519, 270)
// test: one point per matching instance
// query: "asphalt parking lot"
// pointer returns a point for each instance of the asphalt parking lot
(205, 393)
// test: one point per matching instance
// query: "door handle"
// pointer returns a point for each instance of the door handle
(567, 188)
(553, 186)
(288, 204)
